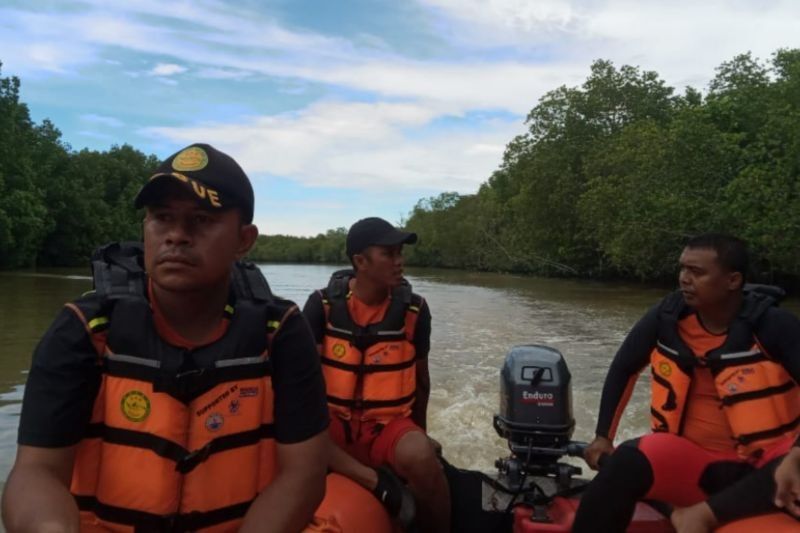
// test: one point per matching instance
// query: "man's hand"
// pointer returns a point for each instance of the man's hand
(599, 447)
(787, 482)
(289, 501)
(697, 518)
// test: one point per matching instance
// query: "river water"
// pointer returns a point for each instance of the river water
(476, 319)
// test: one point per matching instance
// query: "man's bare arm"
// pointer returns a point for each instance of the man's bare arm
(288, 503)
(36, 496)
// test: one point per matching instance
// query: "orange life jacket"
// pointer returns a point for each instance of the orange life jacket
(178, 440)
(759, 398)
(372, 368)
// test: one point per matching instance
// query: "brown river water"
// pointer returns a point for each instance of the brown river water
(476, 319)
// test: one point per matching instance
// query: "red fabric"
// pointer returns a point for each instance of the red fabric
(678, 464)
(370, 442)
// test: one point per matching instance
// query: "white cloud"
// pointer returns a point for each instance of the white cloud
(542, 44)
(95, 135)
(167, 69)
(256, 45)
(383, 146)
(509, 19)
(111, 122)
(222, 74)
(504, 85)
(683, 40)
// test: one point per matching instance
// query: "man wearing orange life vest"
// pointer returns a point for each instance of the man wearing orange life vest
(725, 404)
(373, 334)
(180, 395)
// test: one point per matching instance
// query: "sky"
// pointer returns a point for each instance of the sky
(339, 110)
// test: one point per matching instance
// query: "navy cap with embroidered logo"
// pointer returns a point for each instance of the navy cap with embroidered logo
(213, 176)
(374, 231)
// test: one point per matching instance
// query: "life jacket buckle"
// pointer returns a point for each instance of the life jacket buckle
(188, 462)
(194, 372)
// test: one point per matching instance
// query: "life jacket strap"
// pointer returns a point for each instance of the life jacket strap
(662, 422)
(363, 405)
(152, 523)
(368, 369)
(769, 433)
(185, 460)
(732, 399)
(671, 403)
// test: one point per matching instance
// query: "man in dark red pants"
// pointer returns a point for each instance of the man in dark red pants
(725, 402)
(373, 335)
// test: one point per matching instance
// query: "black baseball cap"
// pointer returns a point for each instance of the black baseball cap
(374, 231)
(212, 175)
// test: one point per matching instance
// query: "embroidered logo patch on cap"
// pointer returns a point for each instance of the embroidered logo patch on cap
(193, 158)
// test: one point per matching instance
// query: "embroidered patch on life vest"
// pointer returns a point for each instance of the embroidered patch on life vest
(665, 369)
(234, 406)
(194, 158)
(214, 421)
(135, 406)
(338, 350)
(248, 392)
(213, 403)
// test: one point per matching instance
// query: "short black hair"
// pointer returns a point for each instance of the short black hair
(731, 251)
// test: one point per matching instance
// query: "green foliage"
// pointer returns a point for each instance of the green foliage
(610, 178)
(613, 176)
(56, 205)
(91, 202)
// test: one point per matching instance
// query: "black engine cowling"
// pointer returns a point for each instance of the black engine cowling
(535, 404)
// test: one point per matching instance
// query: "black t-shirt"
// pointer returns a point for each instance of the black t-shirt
(64, 380)
(315, 314)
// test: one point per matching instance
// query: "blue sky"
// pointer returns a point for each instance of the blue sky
(344, 109)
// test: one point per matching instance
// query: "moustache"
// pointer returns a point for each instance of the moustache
(176, 257)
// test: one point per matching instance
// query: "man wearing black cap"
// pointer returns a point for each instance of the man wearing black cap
(179, 394)
(373, 334)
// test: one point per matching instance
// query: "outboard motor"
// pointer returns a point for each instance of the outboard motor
(536, 414)
(533, 492)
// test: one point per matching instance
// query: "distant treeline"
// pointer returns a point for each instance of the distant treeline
(609, 180)
(324, 248)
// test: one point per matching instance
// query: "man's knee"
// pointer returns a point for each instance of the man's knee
(415, 456)
(627, 467)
